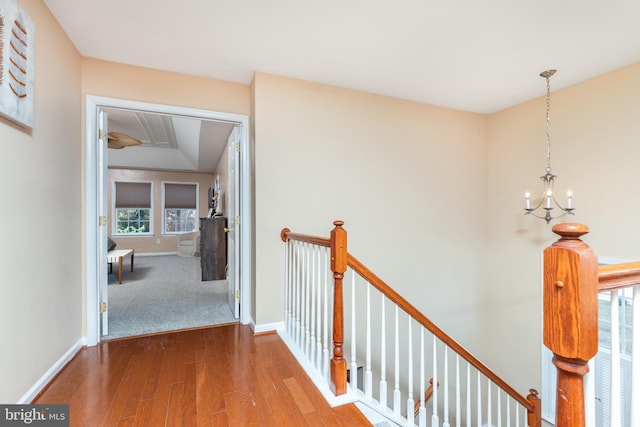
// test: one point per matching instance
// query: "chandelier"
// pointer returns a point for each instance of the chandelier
(548, 201)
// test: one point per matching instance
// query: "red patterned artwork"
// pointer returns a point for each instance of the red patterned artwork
(17, 40)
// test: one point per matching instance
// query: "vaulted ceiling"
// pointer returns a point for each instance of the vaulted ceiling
(174, 143)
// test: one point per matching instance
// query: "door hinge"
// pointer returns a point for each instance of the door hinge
(103, 307)
(238, 147)
(238, 294)
(102, 221)
(238, 220)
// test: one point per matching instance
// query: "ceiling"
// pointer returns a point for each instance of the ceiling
(465, 54)
(175, 143)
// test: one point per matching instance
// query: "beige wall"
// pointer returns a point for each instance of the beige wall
(113, 80)
(40, 316)
(595, 131)
(408, 179)
(158, 242)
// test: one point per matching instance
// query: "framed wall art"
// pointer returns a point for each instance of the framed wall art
(17, 55)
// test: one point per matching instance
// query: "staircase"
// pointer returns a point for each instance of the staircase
(361, 341)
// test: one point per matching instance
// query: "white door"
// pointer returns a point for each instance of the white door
(102, 221)
(233, 223)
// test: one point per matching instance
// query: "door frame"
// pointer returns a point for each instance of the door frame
(92, 192)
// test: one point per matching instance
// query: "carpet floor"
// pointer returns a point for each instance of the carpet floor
(164, 293)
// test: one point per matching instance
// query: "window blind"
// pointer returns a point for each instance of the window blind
(180, 196)
(133, 195)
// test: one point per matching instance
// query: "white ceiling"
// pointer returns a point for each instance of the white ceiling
(480, 56)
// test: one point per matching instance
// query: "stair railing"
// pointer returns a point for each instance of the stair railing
(572, 281)
(390, 343)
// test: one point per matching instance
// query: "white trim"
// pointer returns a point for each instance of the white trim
(610, 261)
(267, 327)
(52, 372)
(145, 254)
(312, 372)
(91, 193)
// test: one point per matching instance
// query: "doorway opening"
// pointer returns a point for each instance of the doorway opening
(97, 211)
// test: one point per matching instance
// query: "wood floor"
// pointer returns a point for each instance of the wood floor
(217, 376)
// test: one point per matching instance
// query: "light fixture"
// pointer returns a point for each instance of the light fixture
(120, 140)
(548, 198)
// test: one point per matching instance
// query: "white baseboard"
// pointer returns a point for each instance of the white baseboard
(267, 327)
(315, 376)
(155, 253)
(52, 372)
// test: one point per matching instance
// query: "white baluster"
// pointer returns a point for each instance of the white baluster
(307, 300)
(479, 402)
(499, 409)
(410, 401)
(368, 377)
(590, 395)
(468, 395)
(489, 412)
(635, 361)
(445, 394)
(508, 402)
(319, 311)
(615, 360)
(299, 282)
(327, 304)
(354, 362)
(396, 385)
(518, 416)
(458, 385)
(434, 416)
(300, 331)
(383, 356)
(312, 303)
(286, 286)
(422, 412)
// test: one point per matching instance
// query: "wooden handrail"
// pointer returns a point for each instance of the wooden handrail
(340, 258)
(320, 241)
(618, 276)
(405, 305)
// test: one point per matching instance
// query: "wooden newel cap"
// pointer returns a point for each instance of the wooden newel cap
(569, 230)
(284, 233)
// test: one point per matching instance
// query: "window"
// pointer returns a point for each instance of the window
(180, 207)
(132, 208)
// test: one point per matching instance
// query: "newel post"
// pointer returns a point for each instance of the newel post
(338, 267)
(570, 317)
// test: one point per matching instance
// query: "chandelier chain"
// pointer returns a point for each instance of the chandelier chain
(548, 125)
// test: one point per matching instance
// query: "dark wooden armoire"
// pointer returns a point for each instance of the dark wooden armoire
(213, 248)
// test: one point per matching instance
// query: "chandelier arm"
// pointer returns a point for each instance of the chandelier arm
(548, 217)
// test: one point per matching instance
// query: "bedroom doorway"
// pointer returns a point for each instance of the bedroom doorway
(96, 163)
